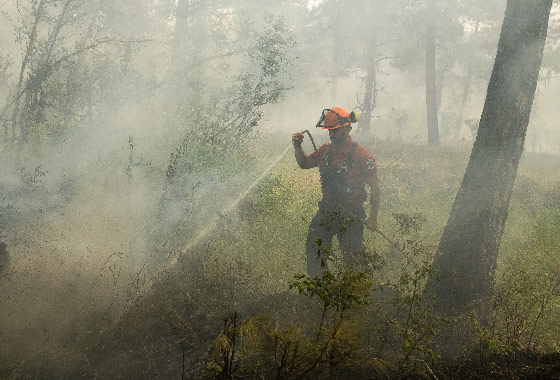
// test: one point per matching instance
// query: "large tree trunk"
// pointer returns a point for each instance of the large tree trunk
(187, 71)
(190, 33)
(469, 246)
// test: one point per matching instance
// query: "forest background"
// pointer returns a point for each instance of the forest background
(128, 128)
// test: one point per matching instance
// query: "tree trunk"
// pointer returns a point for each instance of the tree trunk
(190, 33)
(364, 125)
(187, 74)
(181, 31)
(29, 51)
(468, 77)
(431, 93)
(335, 65)
(468, 250)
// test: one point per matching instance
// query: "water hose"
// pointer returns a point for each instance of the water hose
(395, 245)
(311, 138)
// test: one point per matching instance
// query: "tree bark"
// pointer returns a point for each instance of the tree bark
(468, 250)
(431, 93)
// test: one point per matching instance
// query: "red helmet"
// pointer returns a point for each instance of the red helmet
(336, 117)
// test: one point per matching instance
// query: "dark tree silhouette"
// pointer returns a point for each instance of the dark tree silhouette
(468, 250)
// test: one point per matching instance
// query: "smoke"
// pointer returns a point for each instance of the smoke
(88, 220)
(89, 235)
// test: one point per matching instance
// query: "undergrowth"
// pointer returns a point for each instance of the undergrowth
(232, 308)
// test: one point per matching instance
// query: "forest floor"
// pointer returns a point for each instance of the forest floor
(75, 306)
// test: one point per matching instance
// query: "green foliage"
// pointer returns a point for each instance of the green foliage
(355, 318)
(409, 223)
(292, 353)
(218, 131)
(406, 320)
(59, 72)
(269, 52)
(339, 291)
(282, 196)
(527, 290)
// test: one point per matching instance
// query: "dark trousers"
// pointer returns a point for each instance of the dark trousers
(323, 227)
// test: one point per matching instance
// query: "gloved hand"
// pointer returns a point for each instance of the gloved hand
(297, 138)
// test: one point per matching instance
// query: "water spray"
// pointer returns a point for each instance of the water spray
(213, 223)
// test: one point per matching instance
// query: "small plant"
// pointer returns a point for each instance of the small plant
(225, 345)
(337, 293)
(406, 321)
(527, 291)
(132, 161)
(237, 338)
(257, 348)
(408, 224)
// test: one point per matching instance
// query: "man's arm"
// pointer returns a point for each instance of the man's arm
(301, 158)
(373, 182)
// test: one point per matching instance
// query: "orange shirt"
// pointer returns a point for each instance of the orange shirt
(356, 169)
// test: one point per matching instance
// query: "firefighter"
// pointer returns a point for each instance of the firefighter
(345, 168)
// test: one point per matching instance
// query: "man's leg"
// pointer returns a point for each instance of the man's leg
(319, 235)
(350, 239)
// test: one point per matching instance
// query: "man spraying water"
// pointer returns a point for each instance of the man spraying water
(345, 168)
